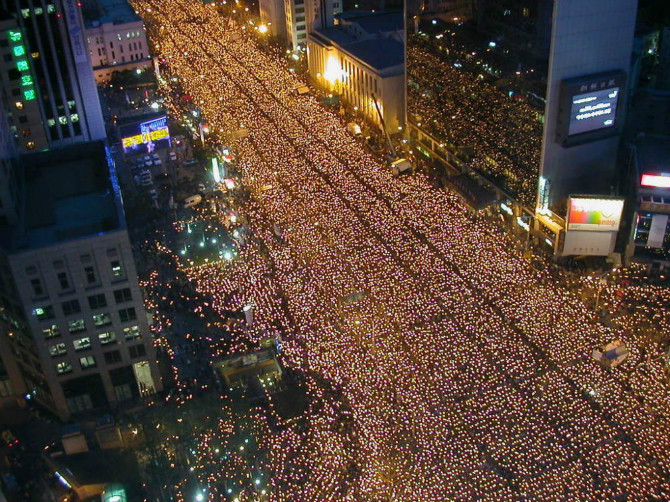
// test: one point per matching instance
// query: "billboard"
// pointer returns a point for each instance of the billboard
(594, 213)
(593, 110)
(589, 107)
(145, 136)
(656, 180)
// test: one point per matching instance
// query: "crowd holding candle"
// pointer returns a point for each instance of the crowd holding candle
(439, 364)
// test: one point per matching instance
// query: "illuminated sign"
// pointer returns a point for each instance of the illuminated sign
(595, 214)
(588, 107)
(15, 37)
(656, 180)
(146, 133)
(593, 110)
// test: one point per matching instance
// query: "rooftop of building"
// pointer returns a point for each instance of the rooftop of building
(69, 195)
(378, 53)
(100, 467)
(109, 11)
(374, 22)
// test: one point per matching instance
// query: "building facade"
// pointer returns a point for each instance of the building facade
(363, 64)
(75, 284)
(116, 39)
(47, 75)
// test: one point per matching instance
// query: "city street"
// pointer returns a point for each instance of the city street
(439, 363)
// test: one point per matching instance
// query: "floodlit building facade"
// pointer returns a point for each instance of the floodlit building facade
(362, 60)
(116, 39)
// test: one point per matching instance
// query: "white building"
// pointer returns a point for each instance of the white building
(362, 60)
(116, 39)
(75, 280)
(303, 16)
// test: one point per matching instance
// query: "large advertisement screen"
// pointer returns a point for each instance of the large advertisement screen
(145, 136)
(593, 110)
(589, 107)
(594, 214)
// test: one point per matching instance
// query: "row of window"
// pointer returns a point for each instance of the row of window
(38, 11)
(100, 320)
(112, 357)
(84, 343)
(129, 333)
(72, 307)
(64, 281)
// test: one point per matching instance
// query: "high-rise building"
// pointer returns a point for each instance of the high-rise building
(46, 74)
(71, 288)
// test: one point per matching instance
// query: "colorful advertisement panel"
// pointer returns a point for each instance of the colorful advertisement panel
(146, 136)
(595, 214)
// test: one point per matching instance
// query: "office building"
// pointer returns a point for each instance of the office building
(116, 39)
(361, 59)
(304, 15)
(75, 289)
(47, 75)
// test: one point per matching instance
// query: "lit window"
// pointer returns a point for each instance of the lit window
(108, 337)
(52, 331)
(51, 122)
(71, 104)
(18, 105)
(63, 367)
(25, 13)
(117, 269)
(131, 332)
(39, 11)
(87, 362)
(62, 120)
(57, 349)
(74, 117)
(51, 8)
(42, 313)
(101, 320)
(82, 343)
(76, 326)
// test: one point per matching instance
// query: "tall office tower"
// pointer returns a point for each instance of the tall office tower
(304, 15)
(72, 287)
(46, 74)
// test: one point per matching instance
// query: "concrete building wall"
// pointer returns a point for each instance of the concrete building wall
(117, 47)
(359, 82)
(85, 271)
(587, 38)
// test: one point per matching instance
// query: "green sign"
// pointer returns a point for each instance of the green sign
(22, 65)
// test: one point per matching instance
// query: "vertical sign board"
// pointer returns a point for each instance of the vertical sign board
(75, 31)
(20, 53)
(659, 224)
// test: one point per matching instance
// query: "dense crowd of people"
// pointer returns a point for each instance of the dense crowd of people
(453, 97)
(448, 367)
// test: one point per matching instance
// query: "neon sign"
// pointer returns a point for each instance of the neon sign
(656, 180)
